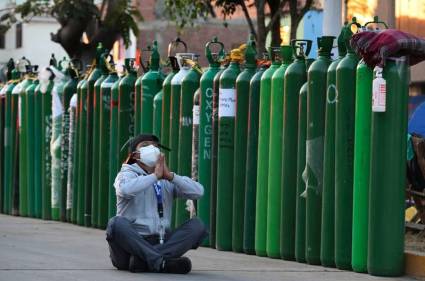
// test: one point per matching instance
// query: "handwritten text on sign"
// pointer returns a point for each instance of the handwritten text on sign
(227, 104)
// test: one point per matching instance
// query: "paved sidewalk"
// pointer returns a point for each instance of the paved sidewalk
(36, 250)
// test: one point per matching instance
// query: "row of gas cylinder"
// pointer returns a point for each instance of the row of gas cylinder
(294, 161)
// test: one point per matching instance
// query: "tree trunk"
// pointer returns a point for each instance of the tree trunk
(261, 27)
(275, 28)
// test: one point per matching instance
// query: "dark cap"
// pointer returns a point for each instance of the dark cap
(132, 143)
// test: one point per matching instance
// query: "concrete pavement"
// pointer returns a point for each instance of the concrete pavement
(39, 250)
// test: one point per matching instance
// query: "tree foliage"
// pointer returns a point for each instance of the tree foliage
(178, 12)
(104, 23)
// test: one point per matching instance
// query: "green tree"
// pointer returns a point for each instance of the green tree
(186, 12)
(105, 23)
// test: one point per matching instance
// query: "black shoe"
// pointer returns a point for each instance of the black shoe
(136, 265)
(181, 265)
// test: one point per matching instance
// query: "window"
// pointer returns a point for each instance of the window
(19, 35)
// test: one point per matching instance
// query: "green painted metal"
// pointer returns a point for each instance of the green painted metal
(10, 143)
(72, 152)
(240, 144)
(104, 146)
(225, 155)
(205, 132)
(251, 162)
(195, 134)
(38, 100)
(46, 163)
(301, 151)
(388, 169)
(69, 89)
(86, 160)
(31, 161)
(214, 150)
(58, 189)
(150, 85)
(189, 85)
(20, 89)
(166, 101)
(138, 103)
(97, 138)
(173, 160)
(3, 89)
(275, 156)
(327, 243)
(83, 156)
(157, 116)
(114, 149)
(295, 77)
(344, 153)
(126, 105)
(263, 153)
(361, 177)
(316, 106)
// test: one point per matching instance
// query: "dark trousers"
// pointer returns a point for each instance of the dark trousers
(124, 241)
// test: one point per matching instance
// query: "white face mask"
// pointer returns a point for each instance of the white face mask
(149, 155)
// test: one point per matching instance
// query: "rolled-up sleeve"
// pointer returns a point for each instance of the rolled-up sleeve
(187, 188)
(127, 184)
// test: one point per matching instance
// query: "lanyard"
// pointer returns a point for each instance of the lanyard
(158, 188)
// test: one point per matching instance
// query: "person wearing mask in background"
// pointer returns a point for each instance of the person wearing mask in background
(139, 236)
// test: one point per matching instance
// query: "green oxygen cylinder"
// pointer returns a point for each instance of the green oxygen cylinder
(157, 113)
(75, 191)
(44, 77)
(205, 131)
(32, 163)
(275, 156)
(189, 85)
(10, 143)
(388, 169)
(166, 99)
(150, 85)
(82, 155)
(104, 143)
(251, 162)
(195, 134)
(362, 154)
(46, 135)
(263, 153)
(86, 160)
(20, 89)
(301, 148)
(176, 83)
(137, 98)
(316, 105)
(96, 116)
(225, 152)
(294, 78)
(58, 190)
(126, 104)
(3, 89)
(361, 175)
(344, 153)
(173, 161)
(69, 90)
(240, 144)
(327, 243)
(214, 149)
(71, 176)
(114, 149)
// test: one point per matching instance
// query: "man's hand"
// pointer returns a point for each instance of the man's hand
(159, 167)
(167, 174)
